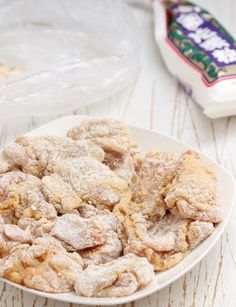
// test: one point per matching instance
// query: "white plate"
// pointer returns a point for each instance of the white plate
(147, 140)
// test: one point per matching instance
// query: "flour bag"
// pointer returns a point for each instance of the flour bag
(200, 53)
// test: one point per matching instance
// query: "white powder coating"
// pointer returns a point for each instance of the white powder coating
(154, 172)
(21, 196)
(34, 154)
(92, 181)
(122, 164)
(192, 193)
(163, 242)
(78, 232)
(44, 266)
(115, 139)
(95, 234)
(38, 228)
(11, 236)
(60, 194)
(112, 247)
(166, 234)
(15, 233)
(115, 277)
(4, 167)
(110, 134)
(198, 231)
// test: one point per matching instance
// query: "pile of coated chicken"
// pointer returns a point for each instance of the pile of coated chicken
(87, 213)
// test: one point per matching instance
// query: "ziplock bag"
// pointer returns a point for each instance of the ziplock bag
(59, 55)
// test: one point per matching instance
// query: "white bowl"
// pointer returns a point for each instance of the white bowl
(147, 140)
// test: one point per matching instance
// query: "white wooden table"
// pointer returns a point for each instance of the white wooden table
(156, 101)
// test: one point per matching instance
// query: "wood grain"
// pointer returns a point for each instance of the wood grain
(155, 100)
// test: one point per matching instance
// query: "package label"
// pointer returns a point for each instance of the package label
(201, 40)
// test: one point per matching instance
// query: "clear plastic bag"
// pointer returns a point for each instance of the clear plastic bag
(59, 55)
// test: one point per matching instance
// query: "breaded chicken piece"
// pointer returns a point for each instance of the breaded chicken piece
(94, 233)
(164, 242)
(21, 195)
(37, 228)
(33, 154)
(154, 172)
(115, 139)
(166, 234)
(192, 192)
(90, 180)
(112, 247)
(12, 235)
(78, 232)
(198, 231)
(5, 167)
(110, 134)
(120, 277)
(122, 164)
(61, 194)
(44, 266)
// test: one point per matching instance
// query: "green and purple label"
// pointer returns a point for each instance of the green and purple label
(202, 40)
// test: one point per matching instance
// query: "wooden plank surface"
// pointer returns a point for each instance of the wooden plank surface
(156, 101)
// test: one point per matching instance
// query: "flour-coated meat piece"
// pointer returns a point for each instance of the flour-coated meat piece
(120, 277)
(192, 192)
(90, 180)
(33, 154)
(44, 266)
